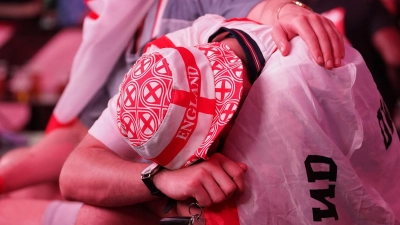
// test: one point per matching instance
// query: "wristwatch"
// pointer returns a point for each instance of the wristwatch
(147, 178)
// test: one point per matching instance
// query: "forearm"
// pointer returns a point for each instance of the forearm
(95, 175)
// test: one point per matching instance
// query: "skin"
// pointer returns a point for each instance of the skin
(17, 164)
(108, 192)
(220, 177)
(12, 164)
(321, 36)
(109, 183)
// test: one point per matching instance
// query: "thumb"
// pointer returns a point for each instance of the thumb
(281, 39)
(243, 166)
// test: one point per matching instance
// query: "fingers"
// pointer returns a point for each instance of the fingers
(209, 182)
(337, 42)
(243, 166)
(234, 171)
(202, 196)
(217, 190)
(309, 36)
(319, 33)
(330, 41)
(215, 185)
(281, 39)
(226, 179)
(318, 27)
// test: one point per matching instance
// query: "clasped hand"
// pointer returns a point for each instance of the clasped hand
(209, 182)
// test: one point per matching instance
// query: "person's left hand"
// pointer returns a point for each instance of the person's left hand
(209, 182)
(319, 33)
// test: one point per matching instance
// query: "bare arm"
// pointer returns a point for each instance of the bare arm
(96, 175)
(321, 36)
(44, 158)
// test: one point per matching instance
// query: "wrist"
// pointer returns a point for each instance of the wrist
(147, 177)
(291, 4)
(158, 178)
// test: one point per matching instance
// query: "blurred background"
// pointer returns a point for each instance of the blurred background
(38, 40)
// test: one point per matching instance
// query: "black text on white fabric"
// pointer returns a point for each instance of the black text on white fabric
(330, 174)
(386, 124)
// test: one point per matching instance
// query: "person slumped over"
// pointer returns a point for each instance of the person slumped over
(302, 130)
(155, 95)
(175, 100)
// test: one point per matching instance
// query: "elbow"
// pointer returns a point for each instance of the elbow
(72, 182)
(68, 187)
(74, 187)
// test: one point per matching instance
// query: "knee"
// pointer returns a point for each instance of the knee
(13, 156)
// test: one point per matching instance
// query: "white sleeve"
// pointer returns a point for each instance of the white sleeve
(110, 23)
(105, 129)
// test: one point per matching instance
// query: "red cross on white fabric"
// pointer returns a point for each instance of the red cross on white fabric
(223, 89)
(142, 66)
(147, 123)
(129, 127)
(228, 112)
(161, 68)
(152, 92)
(140, 107)
(210, 51)
(237, 71)
(130, 95)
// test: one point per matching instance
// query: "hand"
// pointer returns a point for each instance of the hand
(319, 33)
(209, 182)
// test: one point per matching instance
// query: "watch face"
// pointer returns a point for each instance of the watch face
(150, 169)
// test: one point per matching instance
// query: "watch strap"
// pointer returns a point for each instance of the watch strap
(152, 188)
(147, 178)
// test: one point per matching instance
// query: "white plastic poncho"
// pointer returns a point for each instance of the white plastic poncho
(320, 145)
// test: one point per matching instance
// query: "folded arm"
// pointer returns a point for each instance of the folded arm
(96, 175)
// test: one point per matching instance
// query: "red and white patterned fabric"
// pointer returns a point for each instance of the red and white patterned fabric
(319, 144)
(105, 128)
(174, 102)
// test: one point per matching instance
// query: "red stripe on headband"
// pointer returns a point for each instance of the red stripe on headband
(190, 119)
